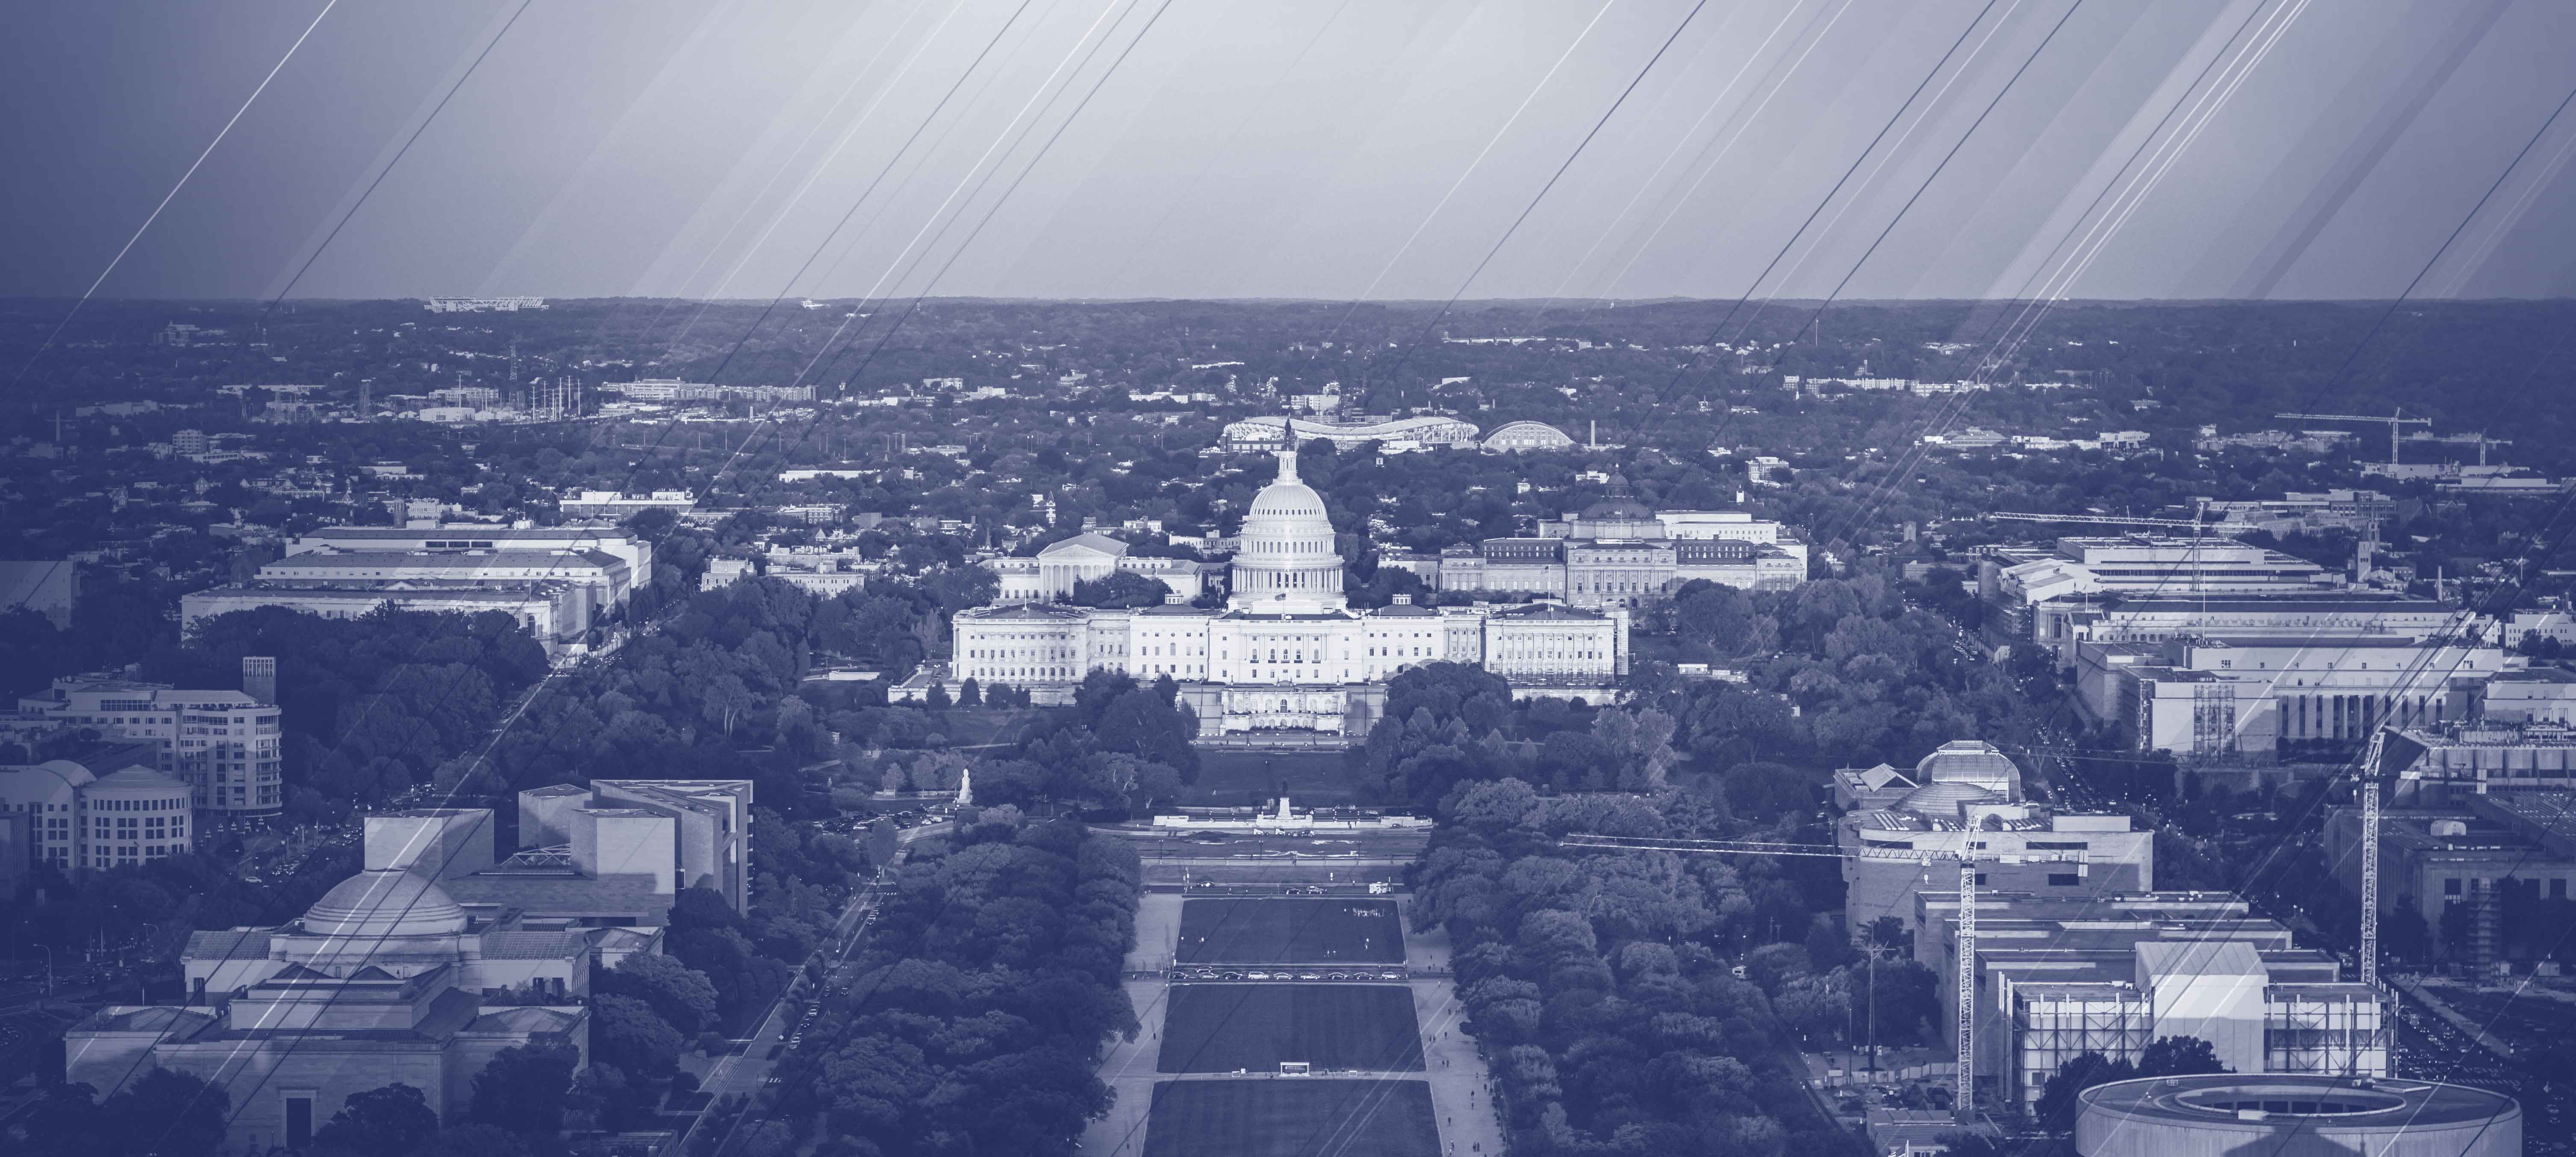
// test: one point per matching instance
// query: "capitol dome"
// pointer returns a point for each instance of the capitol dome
(1285, 560)
(385, 902)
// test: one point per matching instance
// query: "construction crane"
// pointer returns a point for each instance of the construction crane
(2370, 858)
(2479, 440)
(2394, 421)
(1964, 1103)
(2194, 526)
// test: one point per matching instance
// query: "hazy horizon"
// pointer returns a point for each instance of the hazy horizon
(2186, 151)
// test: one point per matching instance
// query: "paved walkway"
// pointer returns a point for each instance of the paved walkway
(1158, 933)
(1461, 1089)
(1129, 1072)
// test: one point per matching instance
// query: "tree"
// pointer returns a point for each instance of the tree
(474, 1140)
(523, 1089)
(1492, 806)
(167, 1112)
(1968, 1145)
(1120, 589)
(679, 994)
(386, 1122)
(2056, 1109)
(66, 1123)
(937, 699)
(970, 693)
(1767, 791)
(627, 1033)
(1640, 745)
(2179, 1056)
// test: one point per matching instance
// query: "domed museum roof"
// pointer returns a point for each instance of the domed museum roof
(1972, 762)
(385, 902)
(1944, 799)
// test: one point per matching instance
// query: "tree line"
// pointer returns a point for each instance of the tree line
(1602, 985)
(979, 1013)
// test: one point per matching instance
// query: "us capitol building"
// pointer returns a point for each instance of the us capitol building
(1287, 656)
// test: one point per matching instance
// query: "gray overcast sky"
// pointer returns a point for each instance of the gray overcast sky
(1317, 148)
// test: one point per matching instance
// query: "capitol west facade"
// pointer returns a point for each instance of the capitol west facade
(1287, 654)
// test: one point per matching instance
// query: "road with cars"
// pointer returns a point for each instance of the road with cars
(1298, 976)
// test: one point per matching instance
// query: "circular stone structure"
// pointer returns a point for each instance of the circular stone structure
(2294, 1115)
(385, 902)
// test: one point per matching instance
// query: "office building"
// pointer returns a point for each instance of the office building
(604, 579)
(2466, 855)
(225, 745)
(2533, 695)
(611, 504)
(2035, 597)
(2444, 765)
(1618, 553)
(2061, 624)
(626, 547)
(555, 614)
(2254, 699)
(80, 821)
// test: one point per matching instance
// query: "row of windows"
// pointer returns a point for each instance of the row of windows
(138, 805)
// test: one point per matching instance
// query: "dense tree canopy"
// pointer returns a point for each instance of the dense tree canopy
(990, 992)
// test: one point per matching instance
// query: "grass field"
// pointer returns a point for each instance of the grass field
(1218, 1028)
(1245, 778)
(1292, 1117)
(1264, 930)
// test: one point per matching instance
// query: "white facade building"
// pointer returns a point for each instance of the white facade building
(1429, 431)
(603, 578)
(80, 822)
(1087, 557)
(223, 744)
(2248, 698)
(1287, 653)
(635, 552)
(611, 504)
(1619, 553)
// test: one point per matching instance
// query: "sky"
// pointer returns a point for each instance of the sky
(1326, 149)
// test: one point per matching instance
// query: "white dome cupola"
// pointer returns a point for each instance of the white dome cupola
(1285, 560)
